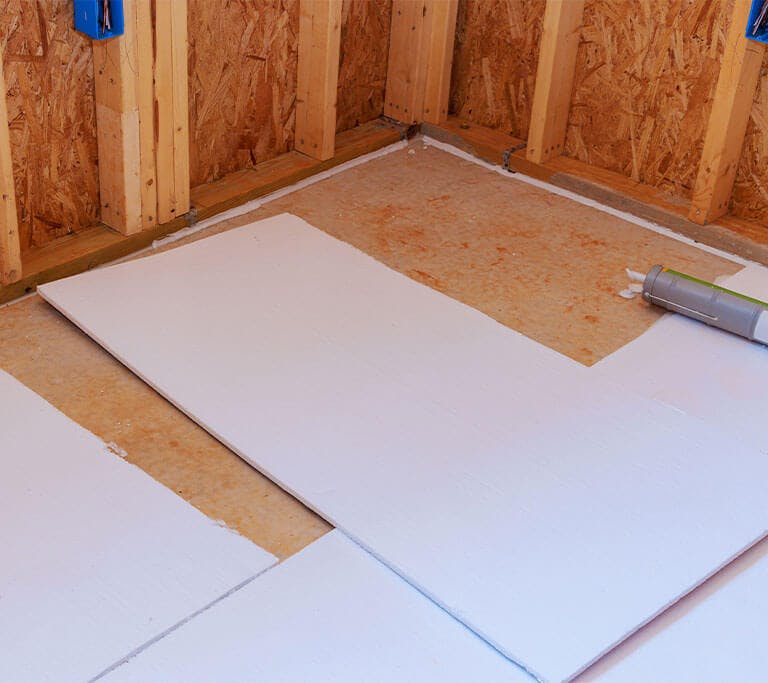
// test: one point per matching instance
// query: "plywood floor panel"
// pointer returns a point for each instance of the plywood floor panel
(412, 421)
(539, 263)
(98, 558)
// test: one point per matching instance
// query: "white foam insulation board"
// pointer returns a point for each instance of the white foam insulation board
(551, 512)
(330, 613)
(98, 559)
(715, 634)
(703, 371)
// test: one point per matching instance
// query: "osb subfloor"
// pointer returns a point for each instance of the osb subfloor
(539, 263)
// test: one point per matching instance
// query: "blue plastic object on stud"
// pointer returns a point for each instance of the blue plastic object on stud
(90, 18)
(761, 36)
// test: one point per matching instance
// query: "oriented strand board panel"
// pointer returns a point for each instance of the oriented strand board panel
(750, 191)
(715, 634)
(242, 83)
(645, 75)
(362, 61)
(713, 375)
(331, 613)
(98, 558)
(494, 62)
(52, 114)
(425, 431)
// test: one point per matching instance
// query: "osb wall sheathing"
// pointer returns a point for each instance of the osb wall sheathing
(242, 83)
(494, 62)
(645, 76)
(750, 191)
(52, 115)
(362, 61)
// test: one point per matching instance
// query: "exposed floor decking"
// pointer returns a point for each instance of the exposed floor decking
(536, 262)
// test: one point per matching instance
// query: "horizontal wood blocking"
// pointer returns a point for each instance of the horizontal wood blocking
(737, 236)
(242, 186)
(98, 244)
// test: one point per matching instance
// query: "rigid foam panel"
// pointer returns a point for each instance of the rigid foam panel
(330, 613)
(97, 557)
(551, 512)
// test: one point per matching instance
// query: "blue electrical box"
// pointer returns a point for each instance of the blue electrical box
(99, 19)
(757, 26)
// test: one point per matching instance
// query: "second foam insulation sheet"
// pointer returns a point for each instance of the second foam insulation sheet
(550, 511)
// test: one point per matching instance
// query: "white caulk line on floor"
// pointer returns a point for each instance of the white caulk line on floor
(553, 189)
(181, 623)
(277, 194)
(18, 299)
(402, 144)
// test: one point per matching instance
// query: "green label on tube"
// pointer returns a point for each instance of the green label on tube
(716, 287)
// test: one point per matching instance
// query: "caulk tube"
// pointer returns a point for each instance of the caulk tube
(707, 303)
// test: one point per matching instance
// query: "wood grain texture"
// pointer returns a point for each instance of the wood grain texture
(117, 115)
(494, 64)
(420, 56)
(98, 244)
(10, 251)
(736, 85)
(146, 101)
(171, 107)
(49, 80)
(645, 76)
(317, 77)
(749, 199)
(406, 70)
(554, 79)
(438, 51)
(242, 83)
(362, 61)
(242, 186)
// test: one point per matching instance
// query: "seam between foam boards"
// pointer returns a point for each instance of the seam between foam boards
(141, 648)
(292, 492)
